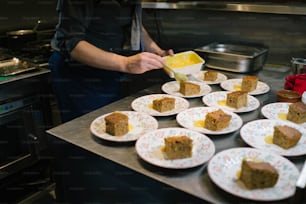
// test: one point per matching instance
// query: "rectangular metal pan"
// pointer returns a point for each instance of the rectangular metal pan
(233, 57)
(15, 66)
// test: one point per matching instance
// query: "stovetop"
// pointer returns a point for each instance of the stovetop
(34, 55)
(36, 52)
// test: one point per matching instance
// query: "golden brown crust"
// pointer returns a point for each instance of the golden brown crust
(188, 88)
(258, 174)
(285, 136)
(178, 147)
(237, 99)
(210, 76)
(249, 83)
(164, 104)
(217, 120)
(116, 124)
(297, 112)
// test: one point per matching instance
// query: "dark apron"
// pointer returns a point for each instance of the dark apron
(81, 89)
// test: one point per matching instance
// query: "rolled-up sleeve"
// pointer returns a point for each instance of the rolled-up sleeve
(74, 19)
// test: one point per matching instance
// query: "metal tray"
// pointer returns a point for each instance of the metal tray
(233, 57)
(15, 66)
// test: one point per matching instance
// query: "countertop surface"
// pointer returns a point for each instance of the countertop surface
(194, 181)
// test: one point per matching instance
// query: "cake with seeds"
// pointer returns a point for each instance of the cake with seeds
(178, 147)
(256, 175)
(249, 83)
(286, 136)
(210, 76)
(189, 88)
(217, 120)
(237, 99)
(164, 104)
(297, 112)
(116, 124)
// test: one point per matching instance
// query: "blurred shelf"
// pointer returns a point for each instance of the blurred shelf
(255, 7)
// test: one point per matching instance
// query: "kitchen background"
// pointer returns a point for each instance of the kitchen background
(181, 29)
(184, 29)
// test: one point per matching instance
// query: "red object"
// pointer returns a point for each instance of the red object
(296, 82)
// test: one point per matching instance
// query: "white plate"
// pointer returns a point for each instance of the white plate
(193, 119)
(277, 111)
(218, 99)
(200, 75)
(139, 123)
(235, 85)
(172, 87)
(258, 134)
(223, 169)
(149, 148)
(145, 104)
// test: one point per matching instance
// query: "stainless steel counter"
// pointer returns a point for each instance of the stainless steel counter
(276, 8)
(195, 181)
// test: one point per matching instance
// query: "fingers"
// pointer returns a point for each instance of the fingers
(151, 59)
(170, 52)
(145, 61)
(167, 52)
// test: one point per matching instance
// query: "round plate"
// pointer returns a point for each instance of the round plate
(200, 75)
(259, 133)
(224, 167)
(139, 123)
(149, 148)
(193, 119)
(277, 111)
(145, 103)
(173, 87)
(235, 85)
(218, 99)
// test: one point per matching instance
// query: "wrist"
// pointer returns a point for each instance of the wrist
(123, 64)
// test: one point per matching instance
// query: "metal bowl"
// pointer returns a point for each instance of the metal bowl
(298, 65)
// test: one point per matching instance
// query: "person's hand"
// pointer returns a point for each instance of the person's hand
(143, 62)
(164, 53)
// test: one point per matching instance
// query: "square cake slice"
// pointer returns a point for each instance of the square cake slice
(285, 136)
(178, 147)
(256, 175)
(189, 88)
(237, 99)
(116, 124)
(249, 83)
(164, 104)
(297, 112)
(210, 76)
(217, 120)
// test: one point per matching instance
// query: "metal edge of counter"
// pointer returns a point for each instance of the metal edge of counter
(33, 73)
(293, 9)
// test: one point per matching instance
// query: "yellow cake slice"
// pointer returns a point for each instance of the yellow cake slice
(217, 120)
(237, 99)
(297, 112)
(178, 147)
(256, 175)
(189, 88)
(249, 83)
(116, 124)
(164, 104)
(210, 76)
(286, 136)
